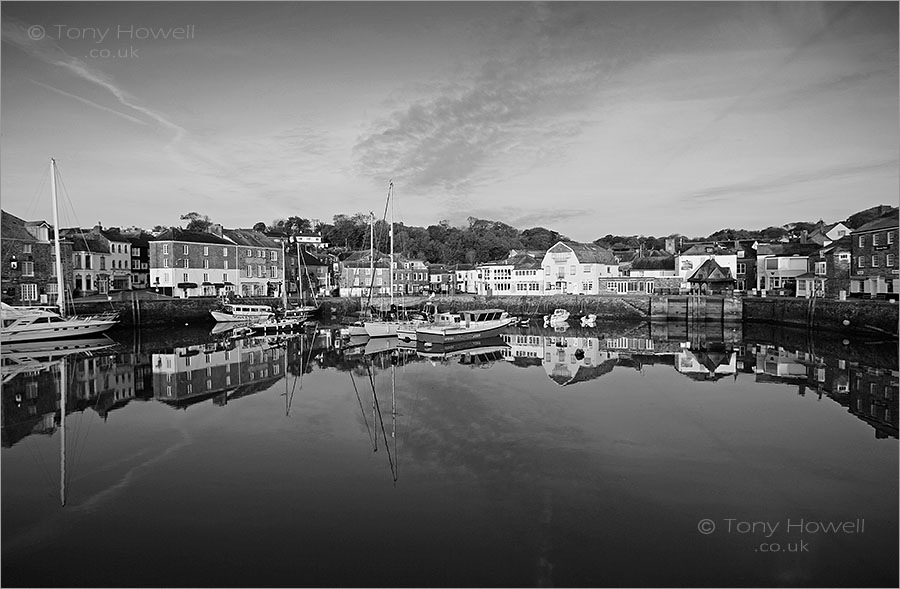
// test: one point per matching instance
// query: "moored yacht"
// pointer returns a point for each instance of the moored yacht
(465, 326)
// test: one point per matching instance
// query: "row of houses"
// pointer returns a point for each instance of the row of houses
(835, 261)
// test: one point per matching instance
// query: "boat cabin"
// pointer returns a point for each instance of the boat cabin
(238, 309)
(481, 315)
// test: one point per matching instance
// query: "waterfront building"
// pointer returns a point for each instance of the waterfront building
(833, 263)
(140, 258)
(689, 260)
(259, 259)
(873, 263)
(653, 272)
(359, 279)
(28, 274)
(441, 280)
(466, 278)
(518, 274)
(307, 274)
(578, 268)
(779, 264)
(410, 276)
(193, 263)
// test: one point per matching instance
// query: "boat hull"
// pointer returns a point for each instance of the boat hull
(381, 328)
(240, 317)
(64, 330)
(453, 334)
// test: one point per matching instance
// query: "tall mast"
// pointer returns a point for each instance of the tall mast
(60, 288)
(391, 275)
(284, 251)
(371, 253)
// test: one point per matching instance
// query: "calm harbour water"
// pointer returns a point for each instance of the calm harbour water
(543, 458)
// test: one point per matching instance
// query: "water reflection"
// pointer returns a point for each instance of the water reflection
(106, 375)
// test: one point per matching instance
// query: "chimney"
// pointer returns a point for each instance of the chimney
(215, 229)
(737, 245)
(670, 245)
(803, 236)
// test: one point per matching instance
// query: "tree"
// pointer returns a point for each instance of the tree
(259, 227)
(196, 221)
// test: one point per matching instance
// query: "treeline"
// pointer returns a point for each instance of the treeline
(482, 240)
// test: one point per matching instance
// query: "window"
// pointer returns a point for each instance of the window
(874, 261)
(103, 262)
(274, 271)
(861, 261)
(741, 268)
(875, 240)
(225, 251)
(862, 241)
(890, 238)
(546, 270)
(165, 248)
(185, 263)
(185, 249)
(224, 277)
(185, 279)
(112, 248)
(206, 263)
(249, 271)
(205, 277)
(249, 253)
(586, 286)
(260, 254)
(205, 250)
(572, 270)
(586, 269)
(890, 260)
(165, 262)
(225, 267)
(27, 268)
(26, 248)
(273, 255)
(28, 292)
(801, 286)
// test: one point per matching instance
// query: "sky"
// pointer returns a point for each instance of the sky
(587, 118)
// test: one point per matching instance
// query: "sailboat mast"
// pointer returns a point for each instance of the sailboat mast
(60, 288)
(391, 275)
(371, 252)
(284, 251)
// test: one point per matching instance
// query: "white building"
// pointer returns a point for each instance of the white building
(577, 268)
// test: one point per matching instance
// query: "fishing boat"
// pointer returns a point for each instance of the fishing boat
(19, 324)
(239, 312)
(466, 326)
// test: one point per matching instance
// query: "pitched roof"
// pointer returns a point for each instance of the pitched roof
(86, 243)
(700, 249)
(176, 234)
(888, 220)
(787, 249)
(587, 253)
(845, 244)
(711, 271)
(251, 238)
(12, 227)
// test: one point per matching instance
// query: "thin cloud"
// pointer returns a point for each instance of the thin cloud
(90, 103)
(776, 183)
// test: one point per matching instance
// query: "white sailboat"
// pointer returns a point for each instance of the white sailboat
(20, 324)
(386, 328)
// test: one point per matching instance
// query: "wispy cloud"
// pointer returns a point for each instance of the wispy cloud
(774, 183)
(513, 98)
(90, 103)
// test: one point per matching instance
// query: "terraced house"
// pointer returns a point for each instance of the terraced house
(193, 263)
(29, 264)
(873, 269)
(259, 260)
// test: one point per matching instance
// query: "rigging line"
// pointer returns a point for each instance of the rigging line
(361, 409)
(384, 436)
(32, 207)
(39, 460)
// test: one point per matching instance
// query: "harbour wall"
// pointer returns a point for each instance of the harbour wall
(855, 315)
(858, 316)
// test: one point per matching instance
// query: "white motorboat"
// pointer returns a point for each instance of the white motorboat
(465, 326)
(238, 312)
